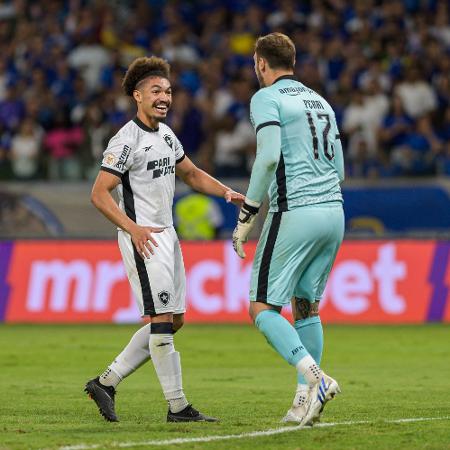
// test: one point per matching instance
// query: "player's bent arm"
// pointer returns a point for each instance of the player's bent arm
(202, 182)
(268, 153)
(102, 199)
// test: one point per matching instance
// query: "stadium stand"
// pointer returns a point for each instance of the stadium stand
(385, 65)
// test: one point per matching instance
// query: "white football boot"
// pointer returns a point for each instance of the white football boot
(319, 394)
(297, 411)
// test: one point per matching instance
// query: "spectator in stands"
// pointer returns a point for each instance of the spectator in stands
(26, 150)
(96, 134)
(89, 58)
(214, 98)
(234, 139)
(5, 147)
(62, 84)
(417, 95)
(286, 18)
(62, 142)
(394, 130)
(358, 127)
(375, 74)
(5, 78)
(376, 103)
(443, 92)
(363, 164)
(186, 122)
(12, 109)
(420, 152)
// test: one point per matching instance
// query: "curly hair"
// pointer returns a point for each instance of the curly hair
(142, 68)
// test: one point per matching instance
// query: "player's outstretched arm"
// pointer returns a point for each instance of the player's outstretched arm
(103, 200)
(202, 182)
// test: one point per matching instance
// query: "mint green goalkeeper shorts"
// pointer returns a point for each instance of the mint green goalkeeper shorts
(295, 253)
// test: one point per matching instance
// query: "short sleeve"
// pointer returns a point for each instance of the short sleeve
(179, 152)
(264, 110)
(118, 157)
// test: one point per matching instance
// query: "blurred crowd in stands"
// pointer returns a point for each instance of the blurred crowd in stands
(383, 65)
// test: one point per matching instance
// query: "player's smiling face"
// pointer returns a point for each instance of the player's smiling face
(155, 98)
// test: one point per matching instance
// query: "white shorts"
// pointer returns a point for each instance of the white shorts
(158, 282)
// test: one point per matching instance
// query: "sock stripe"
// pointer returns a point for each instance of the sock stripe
(162, 328)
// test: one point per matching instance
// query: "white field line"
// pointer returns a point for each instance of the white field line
(252, 434)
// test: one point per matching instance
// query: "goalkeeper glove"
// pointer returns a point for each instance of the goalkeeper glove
(246, 221)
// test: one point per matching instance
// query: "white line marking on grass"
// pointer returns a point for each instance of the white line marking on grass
(252, 434)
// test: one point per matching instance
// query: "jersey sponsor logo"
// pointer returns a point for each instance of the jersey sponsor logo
(169, 140)
(109, 159)
(161, 167)
(294, 91)
(164, 297)
(123, 157)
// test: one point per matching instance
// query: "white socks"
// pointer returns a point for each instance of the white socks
(151, 342)
(309, 369)
(109, 378)
(167, 365)
(301, 395)
(131, 358)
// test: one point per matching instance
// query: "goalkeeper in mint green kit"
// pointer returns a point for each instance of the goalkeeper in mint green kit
(299, 163)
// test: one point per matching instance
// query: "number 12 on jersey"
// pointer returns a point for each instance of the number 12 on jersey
(315, 139)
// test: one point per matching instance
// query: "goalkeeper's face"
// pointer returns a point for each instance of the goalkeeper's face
(154, 97)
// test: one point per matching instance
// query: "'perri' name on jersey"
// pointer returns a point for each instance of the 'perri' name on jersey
(144, 159)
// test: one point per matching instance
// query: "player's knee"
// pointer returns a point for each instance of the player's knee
(178, 322)
(256, 307)
(304, 309)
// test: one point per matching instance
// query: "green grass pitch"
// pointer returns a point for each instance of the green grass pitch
(386, 373)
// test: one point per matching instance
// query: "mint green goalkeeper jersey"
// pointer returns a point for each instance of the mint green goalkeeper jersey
(299, 157)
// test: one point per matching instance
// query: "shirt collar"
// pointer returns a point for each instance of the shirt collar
(142, 125)
(286, 77)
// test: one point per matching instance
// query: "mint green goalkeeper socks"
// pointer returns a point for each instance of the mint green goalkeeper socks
(310, 332)
(281, 335)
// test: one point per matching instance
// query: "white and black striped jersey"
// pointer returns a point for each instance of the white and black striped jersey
(144, 159)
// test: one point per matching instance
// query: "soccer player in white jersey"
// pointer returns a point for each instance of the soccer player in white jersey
(140, 162)
(299, 163)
